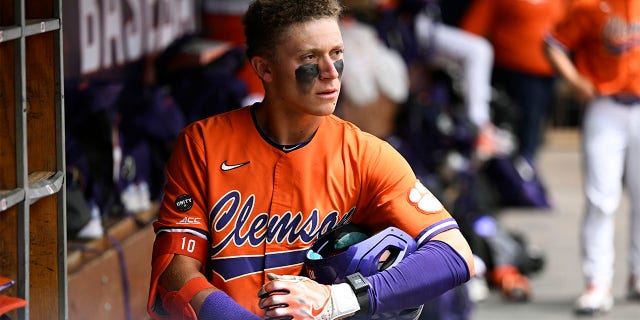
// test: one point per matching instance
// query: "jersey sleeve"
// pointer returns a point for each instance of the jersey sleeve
(568, 32)
(394, 196)
(181, 227)
(184, 204)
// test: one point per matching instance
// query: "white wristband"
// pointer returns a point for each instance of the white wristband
(343, 301)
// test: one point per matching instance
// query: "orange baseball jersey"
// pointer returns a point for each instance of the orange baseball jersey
(604, 38)
(244, 206)
(516, 29)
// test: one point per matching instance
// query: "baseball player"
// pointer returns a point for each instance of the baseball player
(248, 192)
(516, 30)
(596, 48)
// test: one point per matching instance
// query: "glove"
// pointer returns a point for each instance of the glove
(296, 297)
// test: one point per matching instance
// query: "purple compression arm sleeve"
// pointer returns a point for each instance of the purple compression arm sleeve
(218, 305)
(430, 271)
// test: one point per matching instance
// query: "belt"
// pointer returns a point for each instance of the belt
(626, 99)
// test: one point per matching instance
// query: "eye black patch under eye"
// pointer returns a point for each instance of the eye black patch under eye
(339, 65)
(307, 74)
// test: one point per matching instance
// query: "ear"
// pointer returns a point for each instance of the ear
(262, 68)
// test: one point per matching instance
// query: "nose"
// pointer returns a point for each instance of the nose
(328, 69)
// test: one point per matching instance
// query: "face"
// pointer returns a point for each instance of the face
(305, 70)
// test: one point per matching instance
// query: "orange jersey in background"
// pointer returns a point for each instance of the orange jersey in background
(604, 38)
(260, 208)
(516, 29)
(230, 28)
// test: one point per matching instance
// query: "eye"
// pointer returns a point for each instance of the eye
(337, 54)
(308, 58)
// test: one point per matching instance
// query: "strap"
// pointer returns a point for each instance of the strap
(176, 301)
(360, 286)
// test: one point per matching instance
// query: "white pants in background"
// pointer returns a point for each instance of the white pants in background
(611, 154)
(470, 53)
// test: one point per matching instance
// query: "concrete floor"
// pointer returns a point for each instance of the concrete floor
(556, 233)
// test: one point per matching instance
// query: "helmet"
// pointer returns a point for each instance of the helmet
(349, 248)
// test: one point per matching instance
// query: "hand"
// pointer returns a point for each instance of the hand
(486, 142)
(584, 89)
(295, 297)
(493, 141)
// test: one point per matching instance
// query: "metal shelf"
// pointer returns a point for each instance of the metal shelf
(9, 198)
(35, 26)
(32, 27)
(44, 183)
(8, 33)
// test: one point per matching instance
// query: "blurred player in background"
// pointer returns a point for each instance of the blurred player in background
(222, 20)
(516, 30)
(596, 48)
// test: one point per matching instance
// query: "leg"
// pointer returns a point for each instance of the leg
(633, 185)
(532, 95)
(474, 55)
(604, 147)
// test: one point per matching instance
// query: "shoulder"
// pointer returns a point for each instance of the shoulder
(350, 133)
(347, 127)
(587, 5)
(370, 150)
(592, 14)
(230, 120)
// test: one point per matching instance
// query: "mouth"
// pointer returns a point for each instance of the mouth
(328, 93)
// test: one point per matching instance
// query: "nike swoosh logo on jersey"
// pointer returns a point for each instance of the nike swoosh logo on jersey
(226, 167)
(290, 148)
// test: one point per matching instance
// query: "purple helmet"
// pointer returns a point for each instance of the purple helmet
(349, 248)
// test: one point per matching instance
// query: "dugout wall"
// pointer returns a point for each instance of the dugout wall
(106, 278)
(32, 193)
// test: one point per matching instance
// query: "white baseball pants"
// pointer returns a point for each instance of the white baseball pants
(611, 155)
(472, 54)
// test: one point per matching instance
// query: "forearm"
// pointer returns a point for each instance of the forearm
(457, 242)
(209, 302)
(219, 305)
(562, 63)
(179, 272)
(433, 269)
(564, 66)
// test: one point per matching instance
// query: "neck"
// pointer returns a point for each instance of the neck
(285, 128)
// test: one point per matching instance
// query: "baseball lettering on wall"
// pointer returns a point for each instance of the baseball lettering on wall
(103, 34)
